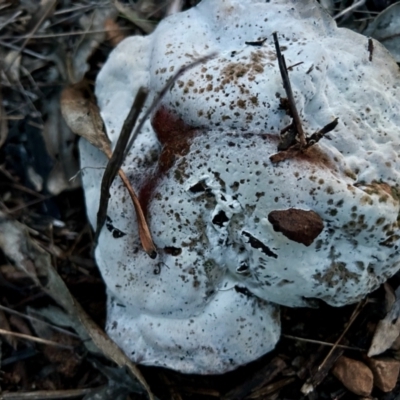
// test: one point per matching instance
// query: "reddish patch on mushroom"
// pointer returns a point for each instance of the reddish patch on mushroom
(301, 226)
(176, 137)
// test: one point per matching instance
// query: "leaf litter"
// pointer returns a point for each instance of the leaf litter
(45, 47)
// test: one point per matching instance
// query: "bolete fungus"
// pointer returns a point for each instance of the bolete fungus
(238, 232)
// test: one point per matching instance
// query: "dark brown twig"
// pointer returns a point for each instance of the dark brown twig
(370, 48)
(113, 167)
(317, 136)
(353, 317)
(289, 93)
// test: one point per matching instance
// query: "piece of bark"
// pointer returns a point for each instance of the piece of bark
(354, 375)
(301, 226)
(385, 371)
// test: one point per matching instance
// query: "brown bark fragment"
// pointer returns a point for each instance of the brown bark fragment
(301, 226)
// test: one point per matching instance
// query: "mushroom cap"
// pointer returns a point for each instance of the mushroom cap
(235, 231)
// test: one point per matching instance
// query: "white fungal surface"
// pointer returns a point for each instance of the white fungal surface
(236, 232)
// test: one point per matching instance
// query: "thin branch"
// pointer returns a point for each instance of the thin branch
(353, 317)
(114, 166)
(300, 339)
(289, 92)
(317, 136)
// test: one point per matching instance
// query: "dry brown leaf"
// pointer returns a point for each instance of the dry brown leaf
(387, 329)
(82, 115)
(21, 250)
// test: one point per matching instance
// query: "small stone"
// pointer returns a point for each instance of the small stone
(386, 372)
(354, 375)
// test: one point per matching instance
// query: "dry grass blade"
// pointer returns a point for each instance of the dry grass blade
(322, 343)
(30, 258)
(37, 20)
(29, 317)
(352, 318)
(5, 325)
(134, 16)
(47, 394)
(83, 117)
(34, 339)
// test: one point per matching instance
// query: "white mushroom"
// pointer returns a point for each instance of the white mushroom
(236, 232)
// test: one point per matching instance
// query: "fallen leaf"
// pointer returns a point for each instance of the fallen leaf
(60, 145)
(387, 329)
(386, 29)
(82, 115)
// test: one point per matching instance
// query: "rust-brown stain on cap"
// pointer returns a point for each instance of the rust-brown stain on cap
(301, 226)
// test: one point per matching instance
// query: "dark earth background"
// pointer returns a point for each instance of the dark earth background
(45, 46)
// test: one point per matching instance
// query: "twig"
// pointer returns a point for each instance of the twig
(26, 51)
(289, 92)
(322, 343)
(114, 165)
(9, 20)
(317, 136)
(353, 317)
(370, 48)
